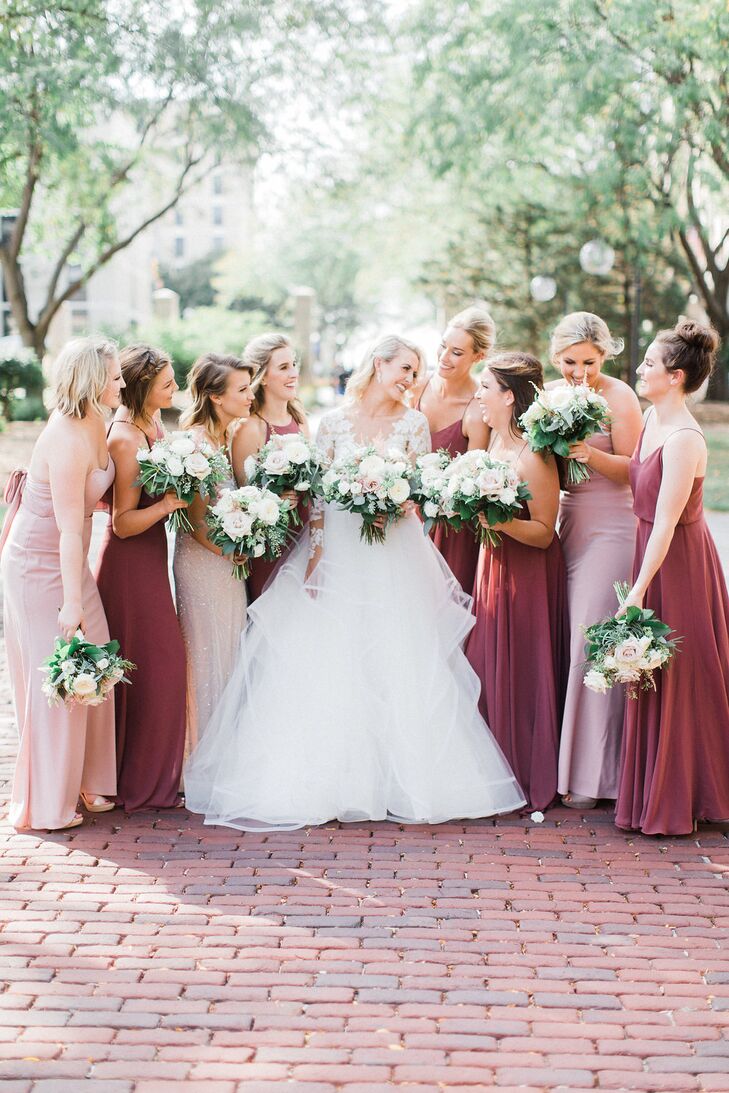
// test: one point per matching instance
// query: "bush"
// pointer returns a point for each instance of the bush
(21, 382)
(29, 409)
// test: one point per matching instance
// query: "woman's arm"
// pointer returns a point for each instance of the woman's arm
(627, 422)
(682, 459)
(248, 440)
(67, 471)
(127, 518)
(542, 479)
(475, 428)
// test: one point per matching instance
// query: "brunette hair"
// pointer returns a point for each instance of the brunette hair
(80, 375)
(477, 322)
(209, 376)
(583, 326)
(519, 373)
(140, 365)
(691, 348)
(386, 349)
(257, 358)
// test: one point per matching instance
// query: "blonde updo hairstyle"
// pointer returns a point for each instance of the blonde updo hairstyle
(81, 375)
(386, 349)
(583, 326)
(477, 322)
(519, 373)
(257, 358)
(690, 347)
(209, 377)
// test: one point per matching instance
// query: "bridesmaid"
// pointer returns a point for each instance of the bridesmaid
(135, 589)
(64, 751)
(519, 646)
(211, 605)
(455, 419)
(597, 532)
(276, 409)
(675, 756)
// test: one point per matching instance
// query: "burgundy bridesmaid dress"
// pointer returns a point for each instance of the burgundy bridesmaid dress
(675, 755)
(134, 584)
(261, 570)
(519, 648)
(459, 549)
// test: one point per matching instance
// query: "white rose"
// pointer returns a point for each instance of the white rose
(224, 504)
(276, 462)
(181, 445)
(303, 486)
(533, 414)
(68, 667)
(430, 510)
(297, 452)
(259, 550)
(398, 467)
(237, 524)
(197, 465)
(102, 663)
(356, 489)
(630, 651)
(344, 487)
(84, 685)
(372, 466)
(249, 466)
(507, 496)
(174, 465)
(490, 481)
(469, 487)
(399, 491)
(558, 398)
(329, 478)
(626, 674)
(248, 493)
(157, 454)
(432, 459)
(268, 511)
(596, 681)
(654, 659)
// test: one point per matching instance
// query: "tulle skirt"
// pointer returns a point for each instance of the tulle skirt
(351, 698)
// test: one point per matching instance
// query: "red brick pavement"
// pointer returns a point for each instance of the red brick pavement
(152, 954)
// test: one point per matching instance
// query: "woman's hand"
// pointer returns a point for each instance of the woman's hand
(170, 502)
(494, 527)
(633, 599)
(292, 497)
(581, 452)
(240, 557)
(407, 507)
(381, 521)
(71, 619)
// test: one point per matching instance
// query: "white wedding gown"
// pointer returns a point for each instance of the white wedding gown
(351, 698)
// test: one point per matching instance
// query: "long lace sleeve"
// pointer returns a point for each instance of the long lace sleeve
(418, 441)
(325, 446)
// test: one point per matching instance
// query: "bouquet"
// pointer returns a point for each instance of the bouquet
(251, 521)
(287, 462)
(426, 488)
(563, 416)
(185, 464)
(79, 671)
(371, 485)
(628, 649)
(476, 482)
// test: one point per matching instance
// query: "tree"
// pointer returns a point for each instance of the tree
(111, 111)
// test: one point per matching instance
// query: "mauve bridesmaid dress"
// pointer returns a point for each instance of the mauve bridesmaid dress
(675, 757)
(519, 648)
(134, 584)
(459, 549)
(261, 570)
(63, 749)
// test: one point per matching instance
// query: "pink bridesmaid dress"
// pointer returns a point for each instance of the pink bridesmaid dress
(597, 533)
(261, 570)
(63, 750)
(675, 755)
(519, 648)
(459, 549)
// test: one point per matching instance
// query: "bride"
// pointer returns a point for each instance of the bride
(351, 698)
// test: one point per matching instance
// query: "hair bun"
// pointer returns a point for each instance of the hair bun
(702, 338)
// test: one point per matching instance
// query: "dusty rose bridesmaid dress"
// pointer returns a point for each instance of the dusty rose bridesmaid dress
(63, 749)
(675, 756)
(597, 532)
(519, 648)
(134, 584)
(261, 570)
(459, 549)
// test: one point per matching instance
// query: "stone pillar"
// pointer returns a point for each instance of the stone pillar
(303, 299)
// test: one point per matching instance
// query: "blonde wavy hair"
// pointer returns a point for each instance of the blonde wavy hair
(583, 326)
(386, 349)
(257, 358)
(81, 375)
(477, 322)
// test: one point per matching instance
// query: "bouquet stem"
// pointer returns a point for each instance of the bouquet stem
(487, 536)
(576, 472)
(372, 534)
(180, 521)
(240, 570)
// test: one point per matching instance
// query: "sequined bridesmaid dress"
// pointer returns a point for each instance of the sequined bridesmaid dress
(459, 549)
(63, 750)
(675, 756)
(135, 589)
(261, 570)
(597, 533)
(519, 648)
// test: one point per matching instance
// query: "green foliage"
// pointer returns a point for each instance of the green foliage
(21, 385)
(203, 330)
(193, 283)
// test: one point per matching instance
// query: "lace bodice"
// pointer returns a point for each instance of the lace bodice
(338, 434)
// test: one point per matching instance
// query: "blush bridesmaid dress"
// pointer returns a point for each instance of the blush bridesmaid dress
(675, 756)
(134, 584)
(459, 549)
(63, 750)
(261, 570)
(519, 648)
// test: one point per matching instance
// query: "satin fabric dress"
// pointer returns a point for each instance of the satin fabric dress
(62, 750)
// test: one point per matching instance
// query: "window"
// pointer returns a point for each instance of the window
(179, 246)
(79, 321)
(179, 218)
(218, 244)
(217, 184)
(218, 215)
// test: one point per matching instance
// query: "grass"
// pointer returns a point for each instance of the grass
(716, 486)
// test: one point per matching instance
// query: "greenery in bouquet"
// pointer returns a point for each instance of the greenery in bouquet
(79, 671)
(373, 486)
(564, 415)
(627, 650)
(426, 489)
(249, 522)
(474, 483)
(287, 462)
(184, 464)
